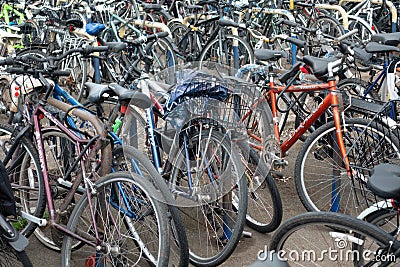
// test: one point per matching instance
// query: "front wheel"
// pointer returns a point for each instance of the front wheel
(320, 176)
(232, 51)
(131, 227)
(331, 239)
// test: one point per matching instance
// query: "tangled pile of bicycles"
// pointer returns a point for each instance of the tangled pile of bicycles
(142, 133)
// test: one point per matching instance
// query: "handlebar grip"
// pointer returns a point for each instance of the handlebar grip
(7, 61)
(90, 49)
(296, 41)
(15, 70)
(228, 23)
(117, 47)
(344, 36)
(158, 35)
(288, 23)
(61, 73)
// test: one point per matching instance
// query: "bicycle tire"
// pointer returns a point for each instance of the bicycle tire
(9, 257)
(233, 222)
(145, 192)
(31, 176)
(164, 55)
(320, 153)
(316, 232)
(140, 165)
(357, 87)
(386, 219)
(211, 53)
(264, 209)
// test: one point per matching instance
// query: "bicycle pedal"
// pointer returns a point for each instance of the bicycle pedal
(279, 163)
(279, 176)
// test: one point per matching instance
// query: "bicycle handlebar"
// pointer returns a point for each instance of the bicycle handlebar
(14, 70)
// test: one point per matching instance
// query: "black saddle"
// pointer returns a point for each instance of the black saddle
(148, 7)
(268, 54)
(373, 47)
(318, 65)
(385, 181)
(387, 38)
(96, 91)
(134, 97)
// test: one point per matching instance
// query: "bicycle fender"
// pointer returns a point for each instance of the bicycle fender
(377, 206)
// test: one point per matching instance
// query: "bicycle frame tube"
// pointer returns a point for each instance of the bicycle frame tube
(42, 157)
(153, 143)
(299, 131)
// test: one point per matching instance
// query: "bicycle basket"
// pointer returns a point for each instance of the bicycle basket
(7, 201)
(196, 84)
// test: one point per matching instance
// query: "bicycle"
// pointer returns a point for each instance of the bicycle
(131, 160)
(326, 147)
(159, 254)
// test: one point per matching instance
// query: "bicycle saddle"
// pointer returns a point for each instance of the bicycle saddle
(77, 23)
(137, 98)
(385, 181)
(318, 65)
(148, 7)
(373, 47)
(362, 55)
(387, 38)
(268, 54)
(94, 28)
(96, 91)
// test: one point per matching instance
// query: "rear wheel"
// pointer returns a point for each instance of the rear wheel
(207, 199)
(309, 239)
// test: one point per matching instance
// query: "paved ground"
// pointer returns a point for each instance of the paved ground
(245, 253)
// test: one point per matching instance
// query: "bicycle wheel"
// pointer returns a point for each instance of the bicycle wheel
(130, 229)
(231, 51)
(130, 159)
(26, 178)
(328, 26)
(185, 40)
(330, 239)
(77, 66)
(212, 224)
(264, 209)
(163, 55)
(386, 218)
(321, 179)
(9, 257)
